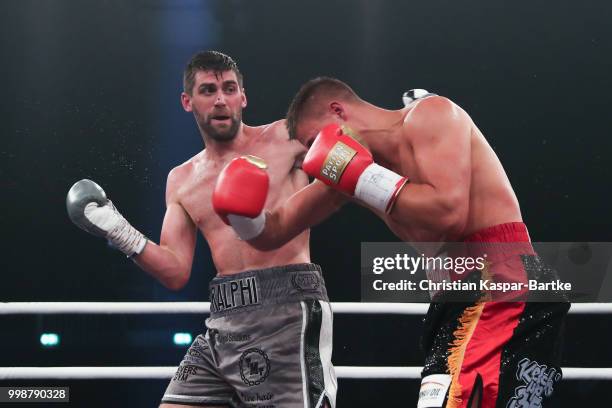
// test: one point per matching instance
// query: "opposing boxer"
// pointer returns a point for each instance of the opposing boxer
(269, 335)
(429, 173)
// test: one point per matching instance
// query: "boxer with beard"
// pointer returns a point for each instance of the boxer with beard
(269, 337)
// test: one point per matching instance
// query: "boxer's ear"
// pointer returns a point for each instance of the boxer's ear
(244, 99)
(186, 101)
(337, 110)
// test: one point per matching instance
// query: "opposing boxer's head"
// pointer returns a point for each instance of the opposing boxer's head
(213, 91)
(318, 103)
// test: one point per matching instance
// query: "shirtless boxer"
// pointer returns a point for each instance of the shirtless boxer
(430, 174)
(269, 336)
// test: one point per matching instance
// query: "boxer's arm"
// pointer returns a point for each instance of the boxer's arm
(170, 262)
(442, 152)
(304, 209)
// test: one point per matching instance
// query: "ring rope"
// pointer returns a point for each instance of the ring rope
(12, 308)
(355, 372)
(8, 373)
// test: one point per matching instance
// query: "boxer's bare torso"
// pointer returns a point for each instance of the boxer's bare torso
(457, 184)
(490, 198)
(190, 185)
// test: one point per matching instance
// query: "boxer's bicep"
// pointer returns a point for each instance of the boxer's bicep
(442, 152)
(437, 196)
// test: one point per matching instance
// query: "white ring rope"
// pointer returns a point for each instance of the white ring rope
(11, 308)
(164, 373)
(76, 373)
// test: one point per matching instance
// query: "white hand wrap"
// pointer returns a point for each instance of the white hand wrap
(247, 228)
(378, 187)
(119, 231)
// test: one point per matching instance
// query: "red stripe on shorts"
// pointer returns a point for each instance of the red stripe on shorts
(483, 351)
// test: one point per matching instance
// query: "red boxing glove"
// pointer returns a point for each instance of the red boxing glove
(341, 162)
(240, 194)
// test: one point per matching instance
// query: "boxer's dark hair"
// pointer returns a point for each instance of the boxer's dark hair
(312, 97)
(208, 61)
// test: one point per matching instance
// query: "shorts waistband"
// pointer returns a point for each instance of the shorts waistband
(497, 241)
(508, 232)
(255, 288)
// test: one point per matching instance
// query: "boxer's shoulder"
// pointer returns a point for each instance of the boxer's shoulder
(275, 137)
(430, 107)
(182, 171)
(180, 175)
(274, 131)
(431, 114)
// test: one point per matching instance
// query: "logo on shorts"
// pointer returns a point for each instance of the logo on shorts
(305, 282)
(227, 337)
(539, 381)
(257, 397)
(195, 353)
(184, 372)
(232, 294)
(254, 366)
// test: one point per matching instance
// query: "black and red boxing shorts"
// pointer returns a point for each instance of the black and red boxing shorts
(494, 354)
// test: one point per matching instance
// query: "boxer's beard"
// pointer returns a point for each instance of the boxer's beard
(220, 135)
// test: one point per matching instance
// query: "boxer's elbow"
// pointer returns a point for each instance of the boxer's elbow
(452, 216)
(175, 283)
(177, 279)
(170, 267)
(451, 225)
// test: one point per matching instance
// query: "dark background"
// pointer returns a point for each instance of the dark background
(91, 89)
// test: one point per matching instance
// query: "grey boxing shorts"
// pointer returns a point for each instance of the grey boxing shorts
(268, 343)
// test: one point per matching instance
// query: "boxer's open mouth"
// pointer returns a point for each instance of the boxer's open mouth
(221, 118)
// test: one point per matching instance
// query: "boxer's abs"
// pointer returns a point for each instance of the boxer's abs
(231, 255)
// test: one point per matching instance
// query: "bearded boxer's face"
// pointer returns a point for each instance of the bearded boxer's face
(216, 101)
